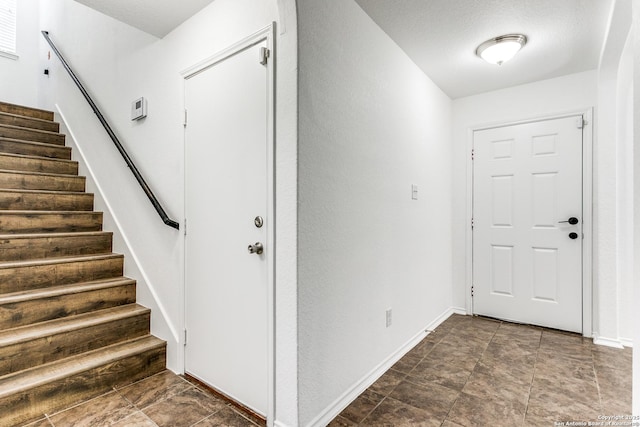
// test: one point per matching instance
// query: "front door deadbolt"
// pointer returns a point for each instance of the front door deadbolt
(258, 221)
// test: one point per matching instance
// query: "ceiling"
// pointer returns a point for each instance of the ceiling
(156, 17)
(441, 37)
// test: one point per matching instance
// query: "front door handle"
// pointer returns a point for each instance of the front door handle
(256, 248)
(573, 221)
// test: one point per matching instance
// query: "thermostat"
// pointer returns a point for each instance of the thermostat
(139, 109)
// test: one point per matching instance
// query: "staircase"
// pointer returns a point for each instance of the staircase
(70, 328)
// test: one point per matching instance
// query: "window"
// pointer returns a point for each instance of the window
(8, 28)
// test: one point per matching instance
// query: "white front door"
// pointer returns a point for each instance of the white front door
(527, 211)
(226, 311)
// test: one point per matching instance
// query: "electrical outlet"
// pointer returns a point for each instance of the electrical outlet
(388, 313)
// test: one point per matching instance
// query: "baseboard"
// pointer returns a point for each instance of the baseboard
(279, 424)
(626, 342)
(334, 409)
(608, 342)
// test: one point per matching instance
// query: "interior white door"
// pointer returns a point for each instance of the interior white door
(226, 192)
(527, 264)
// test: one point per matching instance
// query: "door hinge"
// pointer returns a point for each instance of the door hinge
(264, 55)
(471, 291)
(473, 154)
(472, 223)
(581, 122)
(185, 336)
(184, 122)
(185, 226)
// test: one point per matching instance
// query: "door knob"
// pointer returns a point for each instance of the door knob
(573, 221)
(573, 236)
(256, 248)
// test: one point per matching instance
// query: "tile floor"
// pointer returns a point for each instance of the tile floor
(480, 372)
(162, 400)
(468, 372)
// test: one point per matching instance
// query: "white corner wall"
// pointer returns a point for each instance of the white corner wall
(371, 124)
(18, 77)
(575, 92)
(612, 183)
(624, 196)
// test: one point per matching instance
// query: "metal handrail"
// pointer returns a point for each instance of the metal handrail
(145, 187)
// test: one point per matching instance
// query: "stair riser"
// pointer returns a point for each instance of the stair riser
(12, 223)
(19, 279)
(28, 122)
(53, 247)
(24, 148)
(31, 135)
(26, 164)
(14, 358)
(20, 181)
(24, 201)
(47, 398)
(43, 309)
(26, 111)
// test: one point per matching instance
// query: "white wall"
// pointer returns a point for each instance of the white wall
(18, 77)
(568, 93)
(370, 125)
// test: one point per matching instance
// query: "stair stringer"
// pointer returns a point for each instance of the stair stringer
(162, 324)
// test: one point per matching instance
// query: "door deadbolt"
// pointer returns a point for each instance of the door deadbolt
(258, 221)
(256, 248)
(573, 221)
(573, 236)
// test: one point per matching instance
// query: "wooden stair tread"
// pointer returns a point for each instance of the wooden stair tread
(30, 134)
(16, 297)
(60, 260)
(26, 141)
(22, 381)
(66, 324)
(42, 174)
(41, 131)
(22, 212)
(34, 145)
(52, 192)
(27, 163)
(20, 116)
(53, 235)
(24, 111)
(31, 157)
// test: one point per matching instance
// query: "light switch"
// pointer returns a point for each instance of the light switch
(414, 192)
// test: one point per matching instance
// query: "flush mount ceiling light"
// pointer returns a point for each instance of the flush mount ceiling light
(501, 49)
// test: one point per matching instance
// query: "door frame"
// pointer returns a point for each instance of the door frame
(268, 35)
(587, 208)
